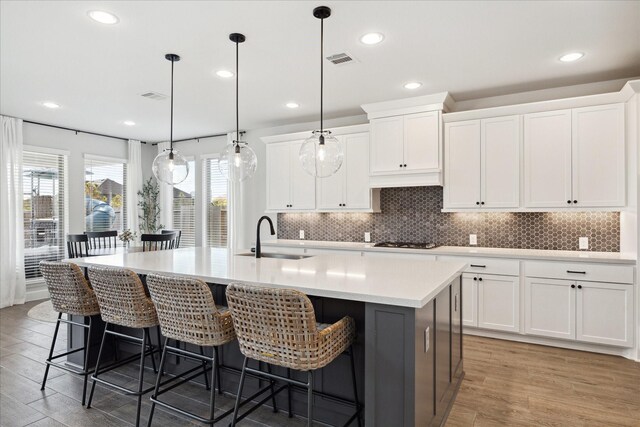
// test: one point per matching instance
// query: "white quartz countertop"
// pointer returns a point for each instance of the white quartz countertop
(533, 254)
(392, 281)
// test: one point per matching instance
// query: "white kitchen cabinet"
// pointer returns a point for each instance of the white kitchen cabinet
(421, 142)
(348, 189)
(575, 158)
(550, 308)
(289, 187)
(482, 163)
(499, 302)
(469, 300)
(604, 313)
(387, 145)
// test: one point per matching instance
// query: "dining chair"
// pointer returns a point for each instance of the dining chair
(77, 245)
(178, 236)
(102, 239)
(158, 242)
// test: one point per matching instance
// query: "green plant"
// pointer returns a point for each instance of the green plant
(150, 207)
(219, 201)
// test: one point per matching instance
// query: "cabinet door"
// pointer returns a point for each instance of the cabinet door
(500, 154)
(550, 308)
(599, 156)
(499, 303)
(278, 177)
(422, 141)
(469, 300)
(456, 330)
(357, 192)
(462, 164)
(386, 145)
(332, 188)
(303, 185)
(605, 313)
(547, 159)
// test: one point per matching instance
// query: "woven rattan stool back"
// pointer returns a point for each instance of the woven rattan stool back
(122, 298)
(187, 312)
(276, 326)
(69, 290)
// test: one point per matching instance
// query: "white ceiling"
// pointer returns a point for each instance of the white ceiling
(51, 50)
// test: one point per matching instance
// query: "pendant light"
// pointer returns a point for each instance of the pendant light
(170, 166)
(321, 154)
(238, 161)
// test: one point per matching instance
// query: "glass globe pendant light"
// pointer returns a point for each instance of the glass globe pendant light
(170, 166)
(238, 161)
(321, 154)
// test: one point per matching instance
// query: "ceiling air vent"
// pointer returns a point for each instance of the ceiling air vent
(154, 95)
(340, 58)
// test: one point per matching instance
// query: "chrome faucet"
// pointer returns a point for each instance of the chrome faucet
(273, 231)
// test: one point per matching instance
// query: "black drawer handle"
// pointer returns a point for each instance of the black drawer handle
(573, 286)
(478, 266)
(576, 272)
(579, 286)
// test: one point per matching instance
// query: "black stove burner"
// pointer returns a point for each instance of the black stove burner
(405, 245)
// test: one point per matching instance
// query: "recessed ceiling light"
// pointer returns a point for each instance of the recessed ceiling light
(292, 105)
(372, 38)
(225, 74)
(412, 85)
(103, 17)
(570, 57)
(129, 123)
(50, 104)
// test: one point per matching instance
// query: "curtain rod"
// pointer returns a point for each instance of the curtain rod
(198, 138)
(78, 130)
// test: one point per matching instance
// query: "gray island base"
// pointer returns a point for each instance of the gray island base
(409, 346)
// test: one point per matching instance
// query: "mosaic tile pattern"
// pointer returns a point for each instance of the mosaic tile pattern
(413, 215)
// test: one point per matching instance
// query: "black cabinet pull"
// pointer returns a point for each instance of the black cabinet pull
(400, 165)
(475, 278)
(482, 203)
(573, 286)
(478, 266)
(576, 272)
(569, 201)
(477, 203)
(480, 279)
(575, 202)
(405, 165)
(579, 286)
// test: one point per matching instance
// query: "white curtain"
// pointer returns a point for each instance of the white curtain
(12, 281)
(166, 196)
(234, 209)
(134, 184)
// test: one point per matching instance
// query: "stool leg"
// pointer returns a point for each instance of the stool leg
(97, 368)
(355, 386)
(309, 398)
(271, 387)
(239, 395)
(141, 373)
(212, 395)
(204, 370)
(217, 367)
(87, 349)
(53, 344)
(158, 378)
(289, 393)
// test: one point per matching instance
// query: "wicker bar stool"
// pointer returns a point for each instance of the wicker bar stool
(70, 294)
(187, 313)
(123, 302)
(278, 326)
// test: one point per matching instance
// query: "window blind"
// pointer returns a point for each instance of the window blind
(105, 195)
(43, 183)
(184, 208)
(216, 196)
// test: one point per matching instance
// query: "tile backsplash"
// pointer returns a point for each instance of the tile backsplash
(413, 215)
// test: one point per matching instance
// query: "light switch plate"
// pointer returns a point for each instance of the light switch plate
(583, 243)
(367, 236)
(473, 239)
(426, 340)
(302, 234)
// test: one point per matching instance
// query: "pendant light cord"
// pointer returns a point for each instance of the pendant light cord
(321, 72)
(171, 131)
(237, 108)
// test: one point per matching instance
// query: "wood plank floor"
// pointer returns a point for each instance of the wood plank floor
(506, 384)
(517, 384)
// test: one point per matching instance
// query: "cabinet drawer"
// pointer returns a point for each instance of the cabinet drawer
(580, 271)
(507, 267)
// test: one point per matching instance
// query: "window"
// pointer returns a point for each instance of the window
(43, 184)
(105, 183)
(215, 190)
(184, 208)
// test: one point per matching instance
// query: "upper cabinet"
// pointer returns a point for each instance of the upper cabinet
(289, 187)
(575, 158)
(482, 164)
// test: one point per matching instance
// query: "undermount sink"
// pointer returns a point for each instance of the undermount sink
(280, 256)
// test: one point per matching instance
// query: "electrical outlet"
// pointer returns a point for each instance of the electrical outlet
(426, 340)
(302, 234)
(583, 243)
(367, 237)
(473, 239)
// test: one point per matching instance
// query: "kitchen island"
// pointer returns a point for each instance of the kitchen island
(407, 313)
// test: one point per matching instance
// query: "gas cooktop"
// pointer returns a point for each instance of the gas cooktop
(405, 245)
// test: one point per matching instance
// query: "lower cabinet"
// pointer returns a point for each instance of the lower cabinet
(491, 301)
(594, 312)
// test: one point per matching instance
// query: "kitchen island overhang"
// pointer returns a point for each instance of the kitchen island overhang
(408, 315)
